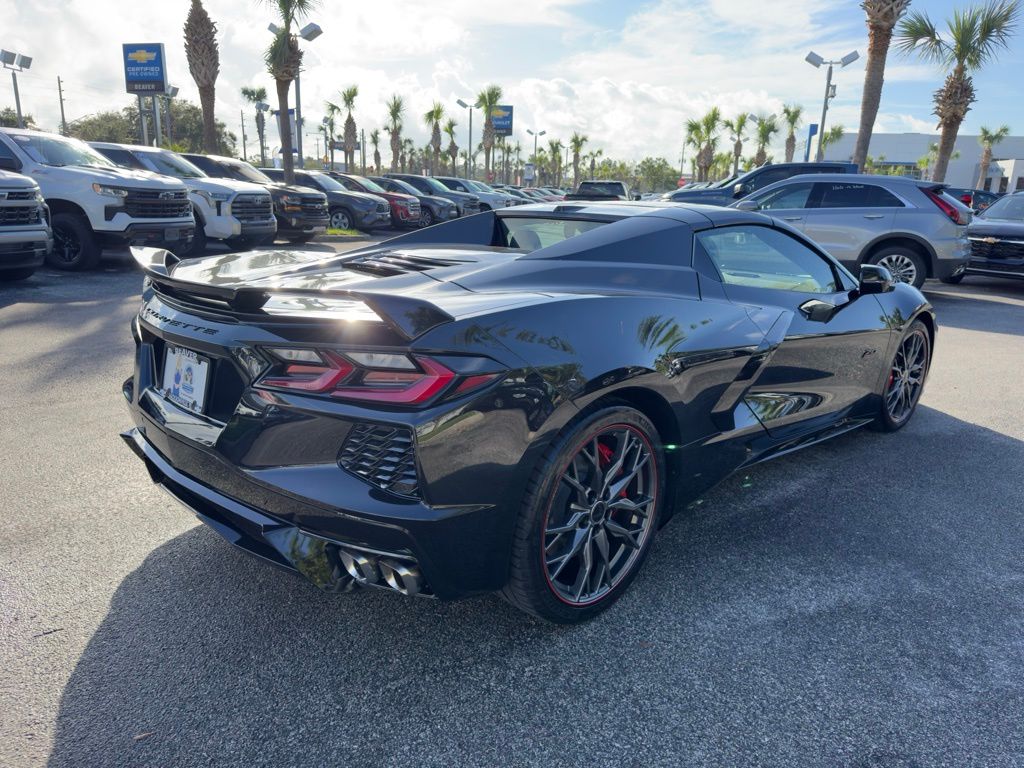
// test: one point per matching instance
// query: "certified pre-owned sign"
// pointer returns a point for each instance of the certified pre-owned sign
(144, 69)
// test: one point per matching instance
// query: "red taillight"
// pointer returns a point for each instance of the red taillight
(945, 206)
(378, 377)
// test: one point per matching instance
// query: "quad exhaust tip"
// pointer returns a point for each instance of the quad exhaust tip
(369, 570)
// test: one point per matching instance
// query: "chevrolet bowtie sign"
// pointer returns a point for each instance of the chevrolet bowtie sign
(144, 69)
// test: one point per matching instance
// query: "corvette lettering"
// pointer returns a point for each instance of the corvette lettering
(152, 314)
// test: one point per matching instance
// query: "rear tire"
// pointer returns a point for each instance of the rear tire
(74, 244)
(426, 218)
(606, 511)
(905, 383)
(906, 265)
(10, 275)
(952, 279)
(341, 219)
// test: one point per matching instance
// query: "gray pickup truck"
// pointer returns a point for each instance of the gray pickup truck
(25, 237)
(602, 190)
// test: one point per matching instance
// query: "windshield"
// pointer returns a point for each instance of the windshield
(401, 186)
(326, 182)
(169, 164)
(368, 184)
(57, 151)
(534, 233)
(1009, 207)
(245, 172)
(611, 188)
(435, 186)
(479, 186)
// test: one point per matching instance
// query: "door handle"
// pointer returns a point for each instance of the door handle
(792, 218)
(874, 215)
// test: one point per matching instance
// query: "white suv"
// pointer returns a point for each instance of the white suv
(239, 212)
(93, 203)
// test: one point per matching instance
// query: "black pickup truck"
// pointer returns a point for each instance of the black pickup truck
(601, 190)
(731, 190)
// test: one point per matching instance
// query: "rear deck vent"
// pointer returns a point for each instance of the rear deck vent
(391, 263)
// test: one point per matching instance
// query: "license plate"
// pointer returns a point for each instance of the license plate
(185, 377)
(318, 230)
(172, 234)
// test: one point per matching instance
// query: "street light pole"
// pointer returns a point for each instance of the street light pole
(536, 135)
(16, 62)
(469, 147)
(816, 61)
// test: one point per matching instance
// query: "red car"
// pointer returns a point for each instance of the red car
(405, 209)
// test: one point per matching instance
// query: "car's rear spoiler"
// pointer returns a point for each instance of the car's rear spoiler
(409, 316)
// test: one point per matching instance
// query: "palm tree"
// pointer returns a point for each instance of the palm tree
(766, 128)
(487, 100)
(517, 150)
(971, 40)
(792, 114)
(555, 147)
(284, 59)
(433, 117)
(882, 16)
(453, 148)
(408, 156)
(348, 99)
(831, 136)
(375, 141)
(988, 139)
(593, 155)
(576, 142)
(395, 109)
(927, 162)
(204, 65)
(257, 96)
(736, 127)
(330, 127)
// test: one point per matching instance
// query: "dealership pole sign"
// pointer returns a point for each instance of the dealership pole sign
(501, 119)
(145, 70)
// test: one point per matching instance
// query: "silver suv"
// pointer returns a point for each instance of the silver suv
(911, 227)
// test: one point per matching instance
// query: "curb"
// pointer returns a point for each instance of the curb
(341, 239)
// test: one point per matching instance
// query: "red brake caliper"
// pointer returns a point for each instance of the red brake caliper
(605, 457)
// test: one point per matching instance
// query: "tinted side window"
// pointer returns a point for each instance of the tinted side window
(762, 257)
(790, 196)
(770, 176)
(349, 184)
(305, 180)
(6, 151)
(122, 157)
(847, 195)
(206, 165)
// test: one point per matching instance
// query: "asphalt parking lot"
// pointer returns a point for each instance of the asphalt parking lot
(858, 605)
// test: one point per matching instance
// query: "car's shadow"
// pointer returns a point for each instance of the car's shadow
(979, 304)
(855, 605)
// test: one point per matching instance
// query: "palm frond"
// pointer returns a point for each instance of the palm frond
(918, 34)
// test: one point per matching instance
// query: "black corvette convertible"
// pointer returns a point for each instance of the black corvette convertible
(513, 401)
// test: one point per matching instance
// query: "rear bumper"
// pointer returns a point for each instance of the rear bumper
(372, 219)
(312, 518)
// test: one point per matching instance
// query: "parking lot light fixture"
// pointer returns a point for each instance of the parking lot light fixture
(469, 147)
(536, 136)
(816, 61)
(16, 62)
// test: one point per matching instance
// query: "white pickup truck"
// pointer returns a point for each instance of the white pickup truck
(24, 227)
(238, 212)
(93, 203)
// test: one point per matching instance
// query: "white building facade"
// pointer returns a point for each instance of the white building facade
(1005, 174)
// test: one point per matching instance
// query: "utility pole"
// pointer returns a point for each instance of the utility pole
(824, 111)
(241, 114)
(63, 120)
(362, 148)
(156, 120)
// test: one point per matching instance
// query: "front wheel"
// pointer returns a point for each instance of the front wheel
(74, 244)
(426, 217)
(906, 265)
(953, 279)
(905, 381)
(589, 517)
(341, 219)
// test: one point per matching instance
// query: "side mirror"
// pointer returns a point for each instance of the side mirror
(637, 196)
(746, 205)
(876, 279)
(741, 190)
(9, 164)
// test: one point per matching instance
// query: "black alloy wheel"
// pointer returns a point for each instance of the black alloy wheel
(74, 245)
(906, 378)
(589, 518)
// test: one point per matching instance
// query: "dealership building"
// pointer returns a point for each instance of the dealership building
(1005, 174)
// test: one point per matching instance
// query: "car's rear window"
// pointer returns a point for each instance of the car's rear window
(534, 233)
(601, 188)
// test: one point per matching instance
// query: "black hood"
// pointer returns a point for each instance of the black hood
(982, 226)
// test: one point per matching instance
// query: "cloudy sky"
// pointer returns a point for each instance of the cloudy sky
(627, 74)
